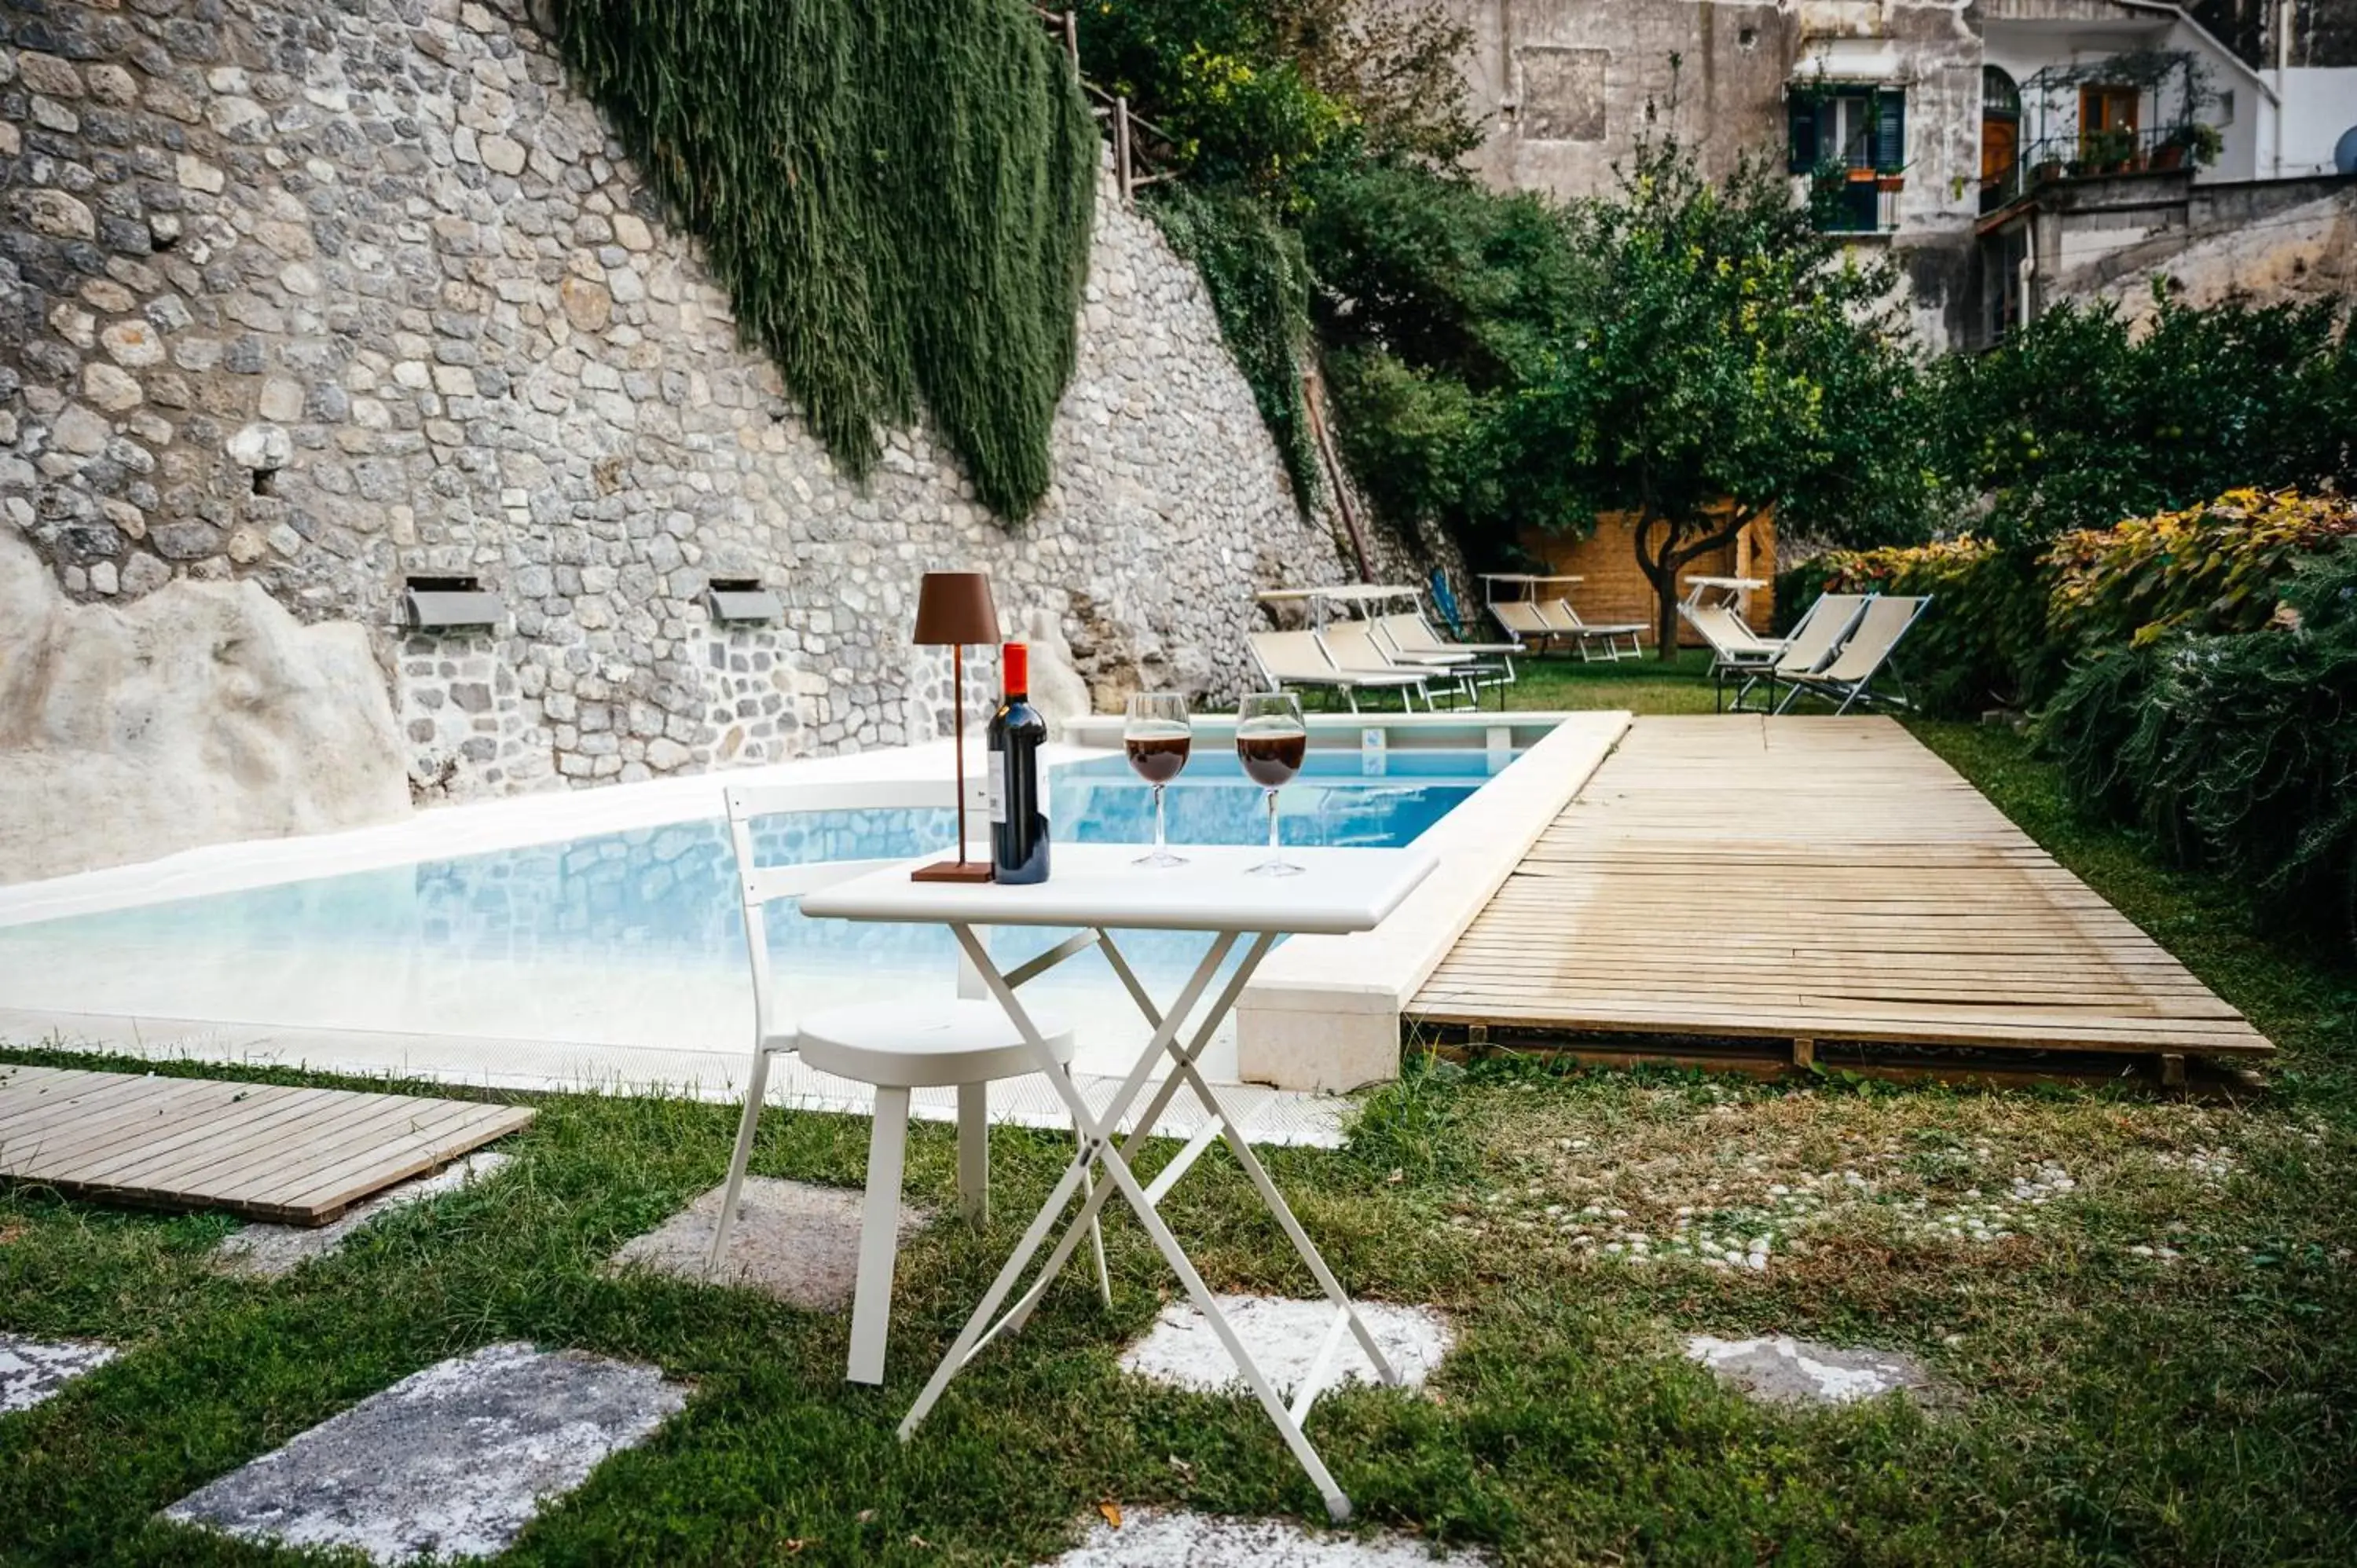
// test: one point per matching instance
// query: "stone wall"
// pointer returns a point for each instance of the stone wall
(326, 298)
(2300, 251)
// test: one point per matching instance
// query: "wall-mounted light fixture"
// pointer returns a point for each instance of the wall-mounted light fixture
(451, 604)
(737, 601)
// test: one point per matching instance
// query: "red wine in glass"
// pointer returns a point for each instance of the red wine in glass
(1271, 761)
(1156, 735)
(1270, 741)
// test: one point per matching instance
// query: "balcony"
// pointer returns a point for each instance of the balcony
(2100, 155)
(1855, 201)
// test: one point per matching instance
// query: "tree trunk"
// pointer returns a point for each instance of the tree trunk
(1662, 568)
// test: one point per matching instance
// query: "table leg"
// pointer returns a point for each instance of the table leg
(1020, 1313)
(1101, 1149)
(1241, 1147)
(1093, 1141)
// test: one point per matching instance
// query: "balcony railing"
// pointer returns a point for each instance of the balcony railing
(1857, 201)
(2093, 154)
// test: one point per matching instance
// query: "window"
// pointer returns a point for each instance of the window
(1852, 134)
(1848, 127)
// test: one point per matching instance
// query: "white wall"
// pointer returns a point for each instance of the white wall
(2319, 105)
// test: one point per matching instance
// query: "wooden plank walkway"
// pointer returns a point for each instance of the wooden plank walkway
(298, 1156)
(1811, 879)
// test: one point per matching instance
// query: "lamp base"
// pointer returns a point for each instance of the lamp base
(952, 870)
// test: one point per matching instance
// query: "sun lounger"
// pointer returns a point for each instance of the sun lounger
(1523, 623)
(1808, 648)
(1735, 648)
(1297, 659)
(1354, 645)
(1585, 635)
(1848, 681)
(1412, 641)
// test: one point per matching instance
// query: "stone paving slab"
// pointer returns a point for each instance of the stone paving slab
(796, 1241)
(1154, 1538)
(1284, 1337)
(267, 1252)
(1780, 1370)
(454, 1460)
(33, 1369)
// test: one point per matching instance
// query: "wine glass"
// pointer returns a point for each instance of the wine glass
(1155, 734)
(1271, 740)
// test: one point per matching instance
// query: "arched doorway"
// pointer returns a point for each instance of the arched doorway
(2000, 138)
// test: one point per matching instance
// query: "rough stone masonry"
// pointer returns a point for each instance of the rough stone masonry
(328, 296)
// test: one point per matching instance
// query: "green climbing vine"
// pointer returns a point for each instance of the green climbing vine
(1253, 268)
(897, 197)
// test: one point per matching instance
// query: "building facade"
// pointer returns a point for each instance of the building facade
(1924, 117)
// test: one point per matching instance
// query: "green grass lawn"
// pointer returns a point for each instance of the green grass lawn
(2156, 1366)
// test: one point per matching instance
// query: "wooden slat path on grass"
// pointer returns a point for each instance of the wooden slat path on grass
(1811, 879)
(299, 1156)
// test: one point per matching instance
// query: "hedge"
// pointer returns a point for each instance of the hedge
(2006, 623)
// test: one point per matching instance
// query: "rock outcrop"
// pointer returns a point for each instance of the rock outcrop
(201, 713)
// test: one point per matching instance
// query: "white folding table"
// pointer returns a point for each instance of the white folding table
(1097, 888)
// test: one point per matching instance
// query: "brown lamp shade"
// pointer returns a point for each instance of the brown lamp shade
(953, 609)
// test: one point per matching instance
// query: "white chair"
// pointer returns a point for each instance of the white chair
(896, 1046)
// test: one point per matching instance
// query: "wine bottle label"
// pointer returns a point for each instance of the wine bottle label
(996, 785)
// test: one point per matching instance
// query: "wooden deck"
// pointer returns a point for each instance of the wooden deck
(1807, 880)
(299, 1156)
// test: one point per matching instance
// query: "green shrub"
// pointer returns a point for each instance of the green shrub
(2237, 750)
(2086, 416)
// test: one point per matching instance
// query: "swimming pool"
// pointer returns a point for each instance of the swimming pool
(635, 939)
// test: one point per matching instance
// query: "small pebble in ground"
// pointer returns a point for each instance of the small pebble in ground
(1283, 1337)
(1783, 1371)
(454, 1460)
(794, 1239)
(266, 1252)
(1153, 1538)
(33, 1369)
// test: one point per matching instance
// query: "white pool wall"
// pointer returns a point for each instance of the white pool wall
(1324, 1012)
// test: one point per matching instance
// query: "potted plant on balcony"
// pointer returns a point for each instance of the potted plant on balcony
(2193, 140)
(2109, 151)
(1892, 178)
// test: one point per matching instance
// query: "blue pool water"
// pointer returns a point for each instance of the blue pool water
(635, 937)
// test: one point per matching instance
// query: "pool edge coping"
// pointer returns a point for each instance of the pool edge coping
(1323, 1014)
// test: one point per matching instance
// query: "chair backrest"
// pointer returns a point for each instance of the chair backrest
(1292, 656)
(1563, 617)
(1353, 645)
(1720, 626)
(1522, 619)
(1409, 634)
(1819, 633)
(1886, 621)
(760, 885)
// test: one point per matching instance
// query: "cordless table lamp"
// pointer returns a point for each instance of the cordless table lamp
(954, 608)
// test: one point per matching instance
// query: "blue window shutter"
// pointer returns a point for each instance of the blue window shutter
(1890, 130)
(1800, 117)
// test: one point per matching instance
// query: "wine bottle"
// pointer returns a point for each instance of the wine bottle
(1018, 823)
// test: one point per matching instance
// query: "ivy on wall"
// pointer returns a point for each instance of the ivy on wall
(898, 198)
(1251, 265)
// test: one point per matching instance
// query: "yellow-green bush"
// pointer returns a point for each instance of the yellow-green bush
(2214, 568)
(2005, 625)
